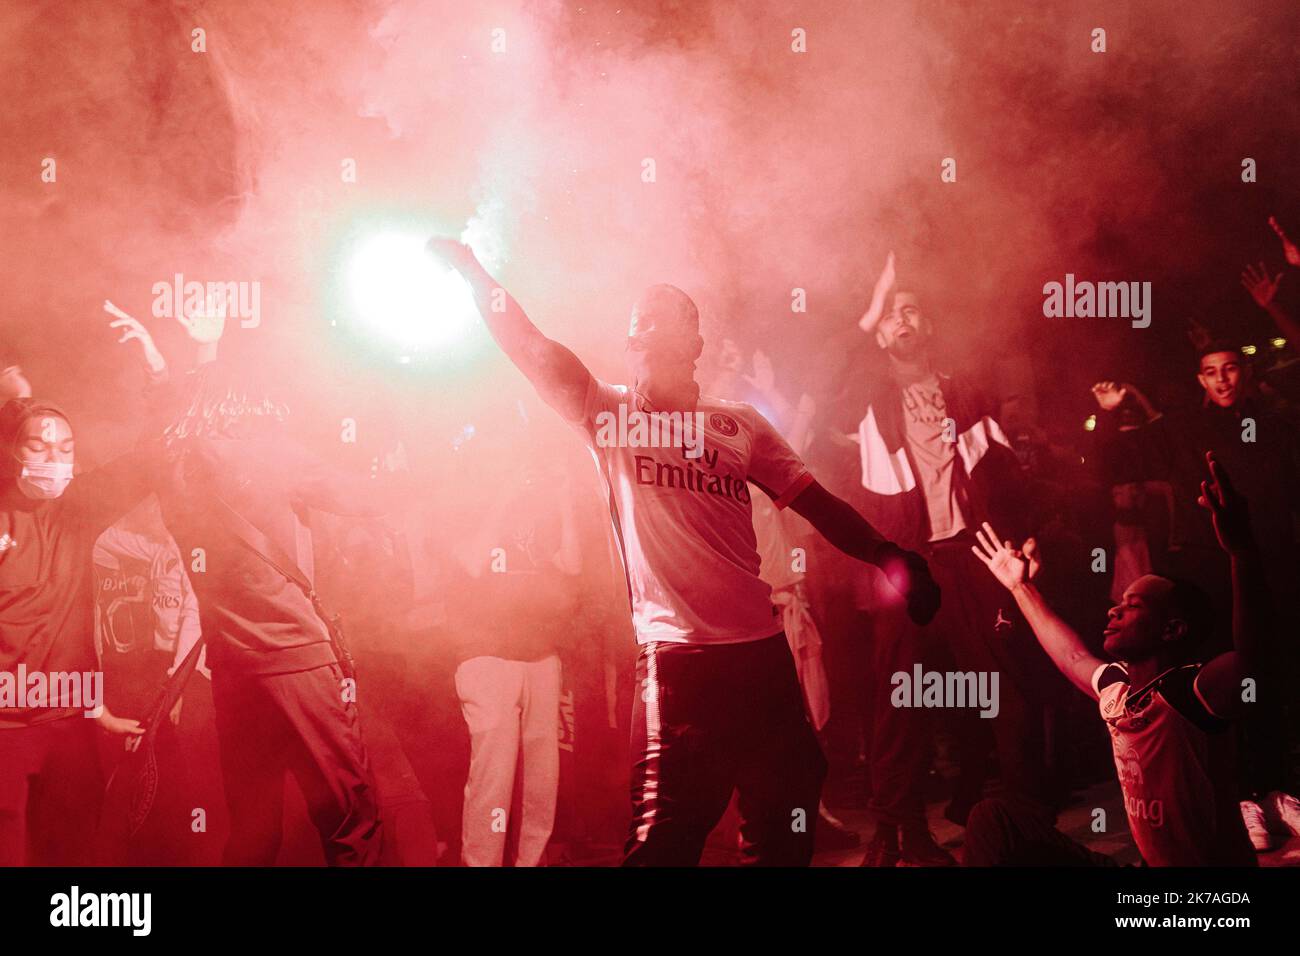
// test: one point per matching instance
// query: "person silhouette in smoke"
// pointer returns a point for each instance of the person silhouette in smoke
(934, 464)
(514, 597)
(719, 705)
(50, 776)
(284, 701)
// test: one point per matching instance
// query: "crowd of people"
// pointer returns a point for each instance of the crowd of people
(785, 628)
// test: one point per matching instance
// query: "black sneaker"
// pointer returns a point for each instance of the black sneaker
(919, 849)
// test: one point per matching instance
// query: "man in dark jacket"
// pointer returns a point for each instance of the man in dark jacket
(934, 465)
(283, 699)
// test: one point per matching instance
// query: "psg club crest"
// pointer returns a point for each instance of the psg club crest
(723, 424)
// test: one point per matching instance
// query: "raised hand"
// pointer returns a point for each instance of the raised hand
(133, 330)
(1011, 566)
(909, 575)
(1288, 247)
(1262, 289)
(764, 378)
(730, 358)
(871, 318)
(1109, 395)
(1031, 553)
(205, 326)
(451, 251)
(1227, 509)
(889, 275)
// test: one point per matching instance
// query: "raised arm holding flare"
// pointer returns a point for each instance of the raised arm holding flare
(558, 375)
(720, 708)
(663, 348)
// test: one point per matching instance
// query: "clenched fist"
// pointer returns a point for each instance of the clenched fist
(910, 576)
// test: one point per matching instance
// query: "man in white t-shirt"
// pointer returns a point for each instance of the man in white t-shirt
(1167, 703)
(719, 706)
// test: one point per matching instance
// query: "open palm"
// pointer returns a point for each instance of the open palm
(1261, 286)
(206, 326)
(1011, 566)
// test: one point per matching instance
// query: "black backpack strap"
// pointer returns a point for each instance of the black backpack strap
(256, 541)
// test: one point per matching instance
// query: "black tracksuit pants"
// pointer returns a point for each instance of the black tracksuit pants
(299, 722)
(710, 719)
(979, 629)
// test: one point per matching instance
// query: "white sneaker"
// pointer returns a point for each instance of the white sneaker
(1252, 814)
(1282, 811)
(837, 822)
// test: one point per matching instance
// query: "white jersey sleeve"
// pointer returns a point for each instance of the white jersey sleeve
(773, 464)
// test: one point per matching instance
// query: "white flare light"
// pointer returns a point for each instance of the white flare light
(400, 292)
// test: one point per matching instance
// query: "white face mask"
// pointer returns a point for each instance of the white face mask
(44, 479)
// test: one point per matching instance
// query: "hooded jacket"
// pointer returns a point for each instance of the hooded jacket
(46, 558)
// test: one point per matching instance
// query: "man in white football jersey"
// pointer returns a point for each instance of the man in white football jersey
(719, 706)
(1166, 701)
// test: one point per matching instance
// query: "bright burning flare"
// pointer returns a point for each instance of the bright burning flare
(404, 295)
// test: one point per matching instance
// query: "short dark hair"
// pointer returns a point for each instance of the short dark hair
(930, 298)
(1213, 347)
(913, 288)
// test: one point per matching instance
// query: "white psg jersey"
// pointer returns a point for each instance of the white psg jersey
(681, 511)
(1176, 766)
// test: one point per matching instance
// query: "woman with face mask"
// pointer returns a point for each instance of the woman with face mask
(51, 687)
